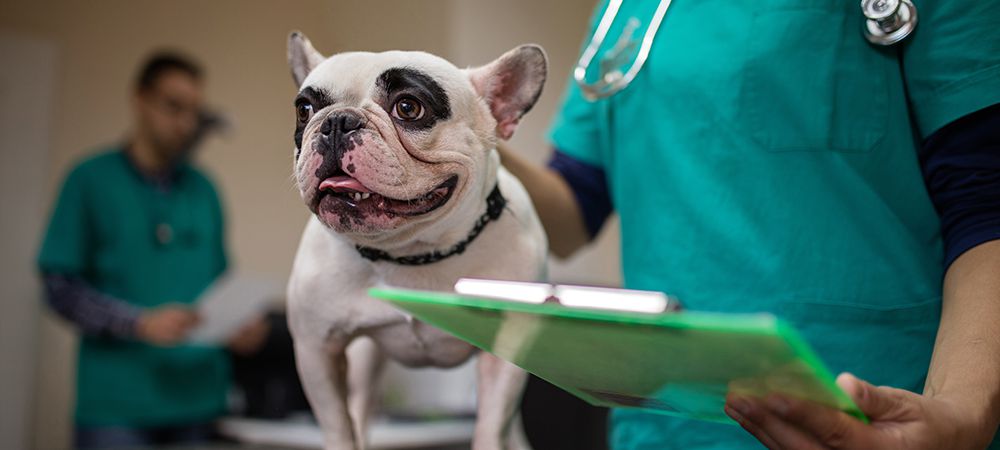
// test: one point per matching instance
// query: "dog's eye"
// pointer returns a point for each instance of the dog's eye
(304, 111)
(408, 108)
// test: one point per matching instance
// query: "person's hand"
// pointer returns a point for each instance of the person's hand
(167, 325)
(899, 420)
(250, 337)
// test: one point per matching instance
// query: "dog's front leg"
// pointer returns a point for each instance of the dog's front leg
(499, 389)
(323, 371)
(365, 360)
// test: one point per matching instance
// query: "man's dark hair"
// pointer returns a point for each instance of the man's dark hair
(162, 62)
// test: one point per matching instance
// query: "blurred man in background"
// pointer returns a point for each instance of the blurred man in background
(135, 236)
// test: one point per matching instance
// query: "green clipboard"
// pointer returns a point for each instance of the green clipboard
(677, 363)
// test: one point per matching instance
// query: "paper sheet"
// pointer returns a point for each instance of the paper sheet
(231, 302)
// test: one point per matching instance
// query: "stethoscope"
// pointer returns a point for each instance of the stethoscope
(887, 22)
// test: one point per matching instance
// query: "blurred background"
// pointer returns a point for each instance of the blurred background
(67, 71)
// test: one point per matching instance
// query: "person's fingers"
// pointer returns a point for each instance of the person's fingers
(783, 432)
(250, 337)
(878, 403)
(828, 426)
(749, 426)
(175, 323)
(837, 429)
(188, 317)
(177, 311)
(183, 319)
(189, 323)
(261, 328)
(176, 331)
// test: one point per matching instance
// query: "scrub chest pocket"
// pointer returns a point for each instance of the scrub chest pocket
(811, 81)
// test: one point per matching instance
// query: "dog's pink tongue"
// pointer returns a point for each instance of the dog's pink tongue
(343, 184)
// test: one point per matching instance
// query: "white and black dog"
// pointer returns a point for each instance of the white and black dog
(395, 157)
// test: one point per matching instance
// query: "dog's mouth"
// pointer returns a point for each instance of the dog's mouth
(343, 191)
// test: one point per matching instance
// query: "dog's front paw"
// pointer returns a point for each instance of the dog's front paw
(479, 445)
(492, 443)
(333, 444)
(340, 446)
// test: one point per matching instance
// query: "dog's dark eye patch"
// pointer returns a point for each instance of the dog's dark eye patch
(316, 97)
(401, 82)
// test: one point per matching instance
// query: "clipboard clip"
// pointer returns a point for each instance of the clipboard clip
(587, 297)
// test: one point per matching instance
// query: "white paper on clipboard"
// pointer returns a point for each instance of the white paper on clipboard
(231, 302)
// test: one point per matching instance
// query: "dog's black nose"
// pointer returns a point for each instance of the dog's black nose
(342, 123)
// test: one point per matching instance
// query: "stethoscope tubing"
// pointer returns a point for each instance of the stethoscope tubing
(611, 83)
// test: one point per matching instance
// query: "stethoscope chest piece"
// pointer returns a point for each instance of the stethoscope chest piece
(888, 21)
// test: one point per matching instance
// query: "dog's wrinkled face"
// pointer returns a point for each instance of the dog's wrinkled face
(388, 143)
(376, 143)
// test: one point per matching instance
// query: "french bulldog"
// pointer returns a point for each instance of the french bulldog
(395, 156)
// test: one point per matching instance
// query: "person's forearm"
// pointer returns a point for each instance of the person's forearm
(965, 368)
(91, 311)
(554, 202)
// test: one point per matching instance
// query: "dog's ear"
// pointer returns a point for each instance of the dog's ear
(302, 57)
(511, 85)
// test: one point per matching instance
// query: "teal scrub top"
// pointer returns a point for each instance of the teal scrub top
(103, 229)
(766, 159)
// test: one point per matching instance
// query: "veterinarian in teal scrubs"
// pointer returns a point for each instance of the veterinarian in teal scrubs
(136, 235)
(768, 158)
(128, 381)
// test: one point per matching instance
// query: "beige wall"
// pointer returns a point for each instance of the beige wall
(26, 86)
(242, 45)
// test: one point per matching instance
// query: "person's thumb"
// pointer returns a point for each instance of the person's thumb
(874, 401)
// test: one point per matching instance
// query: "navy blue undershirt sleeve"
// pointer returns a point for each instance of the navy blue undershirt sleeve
(961, 166)
(590, 187)
(93, 312)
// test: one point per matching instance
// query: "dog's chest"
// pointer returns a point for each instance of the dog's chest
(417, 344)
